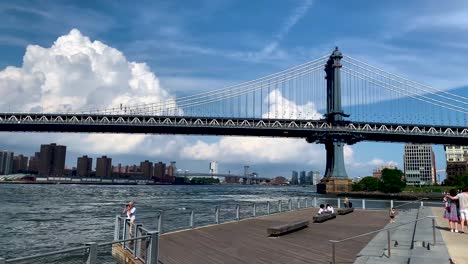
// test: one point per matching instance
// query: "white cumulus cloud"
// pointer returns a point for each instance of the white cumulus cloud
(257, 150)
(77, 74)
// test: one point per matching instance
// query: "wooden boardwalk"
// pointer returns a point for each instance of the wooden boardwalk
(246, 241)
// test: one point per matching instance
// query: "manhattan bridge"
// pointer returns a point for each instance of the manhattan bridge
(333, 100)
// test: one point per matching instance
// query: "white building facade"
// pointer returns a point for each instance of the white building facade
(455, 153)
(213, 167)
(419, 164)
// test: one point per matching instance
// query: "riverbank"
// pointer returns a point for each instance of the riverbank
(396, 196)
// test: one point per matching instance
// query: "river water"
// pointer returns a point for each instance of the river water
(40, 218)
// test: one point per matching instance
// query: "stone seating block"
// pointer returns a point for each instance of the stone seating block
(287, 228)
(323, 217)
(343, 211)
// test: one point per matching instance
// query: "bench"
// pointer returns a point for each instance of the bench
(323, 217)
(343, 211)
(287, 228)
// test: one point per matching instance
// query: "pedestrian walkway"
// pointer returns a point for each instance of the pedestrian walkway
(457, 244)
(412, 243)
(247, 241)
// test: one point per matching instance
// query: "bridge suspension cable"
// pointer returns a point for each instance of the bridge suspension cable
(409, 93)
(350, 60)
(236, 90)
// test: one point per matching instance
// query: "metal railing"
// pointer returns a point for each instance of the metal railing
(145, 244)
(144, 240)
(334, 242)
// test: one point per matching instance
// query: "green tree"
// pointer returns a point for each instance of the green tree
(461, 182)
(369, 184)
(391, 181)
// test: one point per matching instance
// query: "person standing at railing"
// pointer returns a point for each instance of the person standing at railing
(451, 212)
(346, 202)
(463, 206)
(129, 210)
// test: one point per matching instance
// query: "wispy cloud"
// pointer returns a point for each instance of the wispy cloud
(298, 13)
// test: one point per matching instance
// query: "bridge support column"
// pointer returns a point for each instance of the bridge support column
(335, 179)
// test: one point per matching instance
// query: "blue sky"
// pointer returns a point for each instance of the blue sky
(194, 46)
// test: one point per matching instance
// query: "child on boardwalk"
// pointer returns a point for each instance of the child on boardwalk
(451, 211)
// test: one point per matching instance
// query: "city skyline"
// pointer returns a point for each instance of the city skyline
(180, 55)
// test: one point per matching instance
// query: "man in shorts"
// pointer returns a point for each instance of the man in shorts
(463, 201)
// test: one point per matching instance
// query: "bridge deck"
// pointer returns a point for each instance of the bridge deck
(247, 242)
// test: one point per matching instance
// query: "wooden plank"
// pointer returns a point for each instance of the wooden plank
(245, 241)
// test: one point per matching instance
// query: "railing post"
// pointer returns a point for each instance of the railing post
(289, 204)
(191, 219)
(333, 253)
(152, 248)
(306, 202)
(268, 208)
(92, 253)
(137, 243)
(363, 203)
(388, 243)
(279, 206)
(433, 232)
(160, 221)
(315, 201)
(217, 214)
(124, 232)
(237, 212)
(117, 228)
(339, 203)
(298, 203)
(422, 203)
(391, 204)
(254, 210)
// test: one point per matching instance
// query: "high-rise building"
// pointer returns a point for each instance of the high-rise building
(160, 170)
(6, 162)
(302, 177)
(84, 166)
(457, 160)
(419, 163)
(20, 163)
(171, 170)
(52, 160)
(213, 167)
(315, 177)
(456, 153)
(146, 168)
(309, 177)
(34, 162)
(295, 178)
(103, 167)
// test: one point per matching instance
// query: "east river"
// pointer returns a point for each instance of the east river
(41, 218)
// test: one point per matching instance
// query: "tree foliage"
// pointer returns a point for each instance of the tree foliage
(368, 184)
(460, 182)
(391, 181)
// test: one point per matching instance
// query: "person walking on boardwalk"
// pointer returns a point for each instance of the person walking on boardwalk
(392, 214)
(451, 212)
(463, 206)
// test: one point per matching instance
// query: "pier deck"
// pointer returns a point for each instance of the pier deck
(246, 241)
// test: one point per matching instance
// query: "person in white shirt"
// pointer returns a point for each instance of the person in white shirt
(129, 210)
(463, 206)
(321, 210)
(330, 209)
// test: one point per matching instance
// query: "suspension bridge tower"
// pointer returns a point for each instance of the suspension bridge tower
(336, 178)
